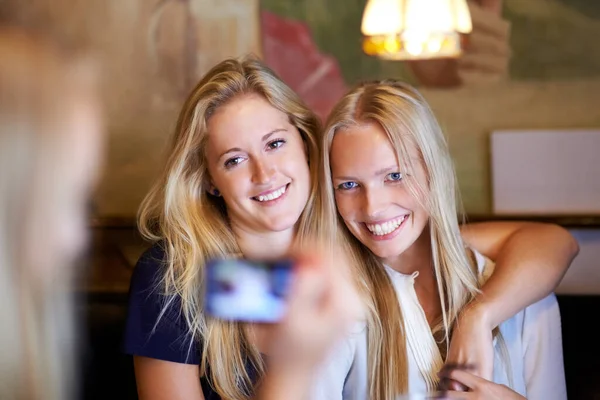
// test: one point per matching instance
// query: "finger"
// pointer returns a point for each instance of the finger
(305, 261)
(494, 6)
(450, 366)
(458, 395)
(310, 254)
(456, 386)
(309, 287)
(449, 384)
(338, 290)
(466, 378)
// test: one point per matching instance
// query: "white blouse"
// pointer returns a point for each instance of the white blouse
(533, 340)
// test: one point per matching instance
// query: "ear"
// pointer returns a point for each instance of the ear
(212, 189)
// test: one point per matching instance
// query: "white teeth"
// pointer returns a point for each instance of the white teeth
(273, 195)
(385, 228)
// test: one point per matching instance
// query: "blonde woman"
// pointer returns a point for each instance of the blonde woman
(388, 170)
(50, 132)
(241, 177)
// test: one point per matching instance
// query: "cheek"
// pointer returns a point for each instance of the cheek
(296, 164)
(72, 231)
(418, 203)
(69, 237)
(346, 206)
(229, 182)
(307, 173)
(424, 216)
(297, 151)
(421, 215)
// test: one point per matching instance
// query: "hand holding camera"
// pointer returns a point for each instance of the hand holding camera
(308, 296)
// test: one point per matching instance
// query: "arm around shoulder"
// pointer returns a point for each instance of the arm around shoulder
(531, 259)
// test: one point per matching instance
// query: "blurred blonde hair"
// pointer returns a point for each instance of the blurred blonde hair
(39, 83)
(193, 225)
(408, 122)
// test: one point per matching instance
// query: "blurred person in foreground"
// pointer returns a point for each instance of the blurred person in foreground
(50, 153)
(50, 135)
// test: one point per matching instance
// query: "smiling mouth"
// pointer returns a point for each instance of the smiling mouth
(387, 227)
(272, 195)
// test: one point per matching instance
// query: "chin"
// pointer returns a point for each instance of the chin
(387, 249)
(280, 227)
(383, 252)
(282, 224)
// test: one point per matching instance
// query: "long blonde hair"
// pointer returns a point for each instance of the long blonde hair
(194, 226)
(407, 121)
(40, 83)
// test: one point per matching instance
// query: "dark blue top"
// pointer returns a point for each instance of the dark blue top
(168, 339)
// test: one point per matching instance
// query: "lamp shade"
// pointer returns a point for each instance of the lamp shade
(414, 29)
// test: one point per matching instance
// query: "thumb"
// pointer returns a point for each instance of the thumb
(310, 284)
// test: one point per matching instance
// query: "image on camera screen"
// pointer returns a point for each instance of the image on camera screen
(244, 290)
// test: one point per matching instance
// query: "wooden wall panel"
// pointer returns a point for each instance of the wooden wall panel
(153, 52)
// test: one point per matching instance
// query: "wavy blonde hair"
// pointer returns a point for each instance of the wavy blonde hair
(40, 83)
(408, 122)
(194, 225)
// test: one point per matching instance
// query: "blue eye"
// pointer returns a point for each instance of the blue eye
(232, 162)
(347, 185)
(394, 177)
(275, 144)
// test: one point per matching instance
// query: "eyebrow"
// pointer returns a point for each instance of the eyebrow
(264, 138)
(385, 170)
(377, 173)
(268, 135)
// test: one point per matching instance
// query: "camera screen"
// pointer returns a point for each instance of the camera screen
(245, 290)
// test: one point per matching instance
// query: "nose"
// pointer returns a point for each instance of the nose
(263, 172)
(374, 203)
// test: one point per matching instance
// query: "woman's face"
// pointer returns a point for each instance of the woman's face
(257, 161)
(371, 194)
(66, 184)
(86, 144)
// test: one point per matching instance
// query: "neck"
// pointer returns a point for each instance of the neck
(264, 245)
(418, 258)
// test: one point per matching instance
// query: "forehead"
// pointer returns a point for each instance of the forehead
(244, 116)
(360, 147)
(366, 148)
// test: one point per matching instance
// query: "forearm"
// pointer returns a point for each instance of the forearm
(529, 266)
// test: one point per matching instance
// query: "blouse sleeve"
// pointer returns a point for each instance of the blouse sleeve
(155, 326)
(543, 356)
(543, 367)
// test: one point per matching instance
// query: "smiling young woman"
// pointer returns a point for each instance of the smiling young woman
(241, 178)
(388, 170)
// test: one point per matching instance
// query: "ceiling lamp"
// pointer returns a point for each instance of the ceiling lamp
(414, 29)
